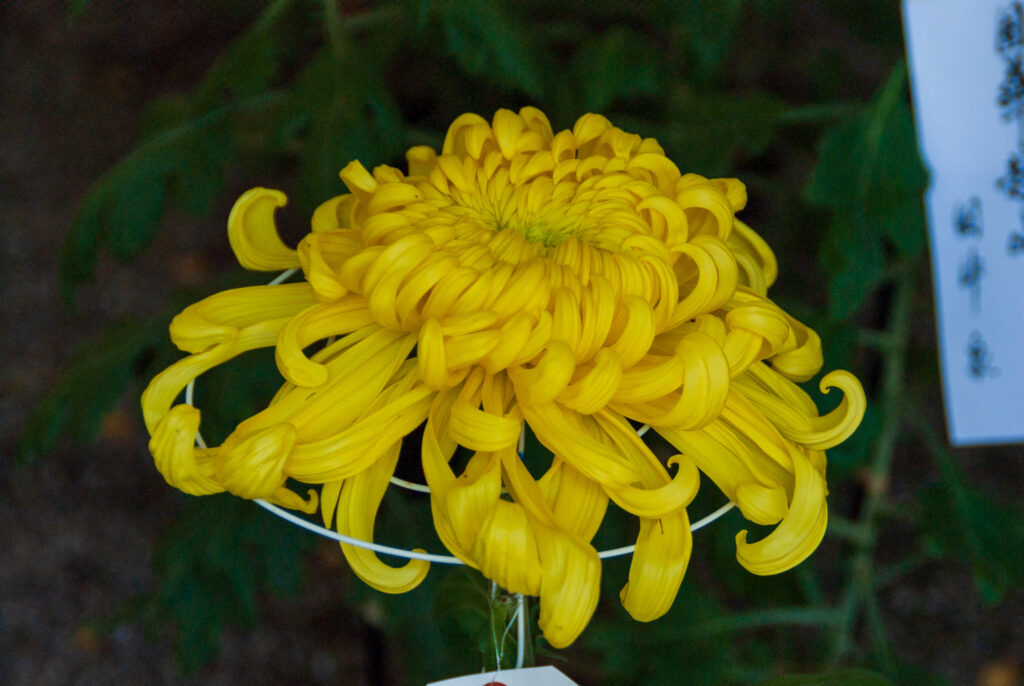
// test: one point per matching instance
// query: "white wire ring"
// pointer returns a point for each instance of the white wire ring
(445, 559)
(421, 488)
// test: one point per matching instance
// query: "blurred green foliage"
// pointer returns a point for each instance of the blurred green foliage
(728, 87)
(870, 177)
(213, 564)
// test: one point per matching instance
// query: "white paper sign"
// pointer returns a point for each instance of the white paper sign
(531, 676)
(966, 62)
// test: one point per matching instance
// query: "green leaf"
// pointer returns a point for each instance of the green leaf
(709, 131)
(213, 564)
(122, 210)
(327, 147)
(341, 111)
(706, 31)
(202, 155)
(81, 246)
(838, 340)
(136, 214)
(857, 266)
(834, 182)
(164, 113)
(910, 674)
(99, 371)
(959, 521)
(850, 677)
(670, 655)
(617, 64)
(189, 141)
(199, 178)
(901, 220)
(91, 386)
(871, 178)
(76, 8)
(247, 67)
(462, 611)
(965, 523)
(487, 40)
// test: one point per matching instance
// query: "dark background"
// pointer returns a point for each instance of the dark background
(83, 520)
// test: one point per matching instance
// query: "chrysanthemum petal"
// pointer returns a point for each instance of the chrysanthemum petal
(311, 325)
(255, 467)
(708, 208)
(437, 448)
(454, 140)
(755, 259)
(318, 255)
(636, 331)
(548, 378)
(577, 502)
(466, 503)
(650, 380)
(575, 282)
(659, 564)
(360, 498)
(722, 465)
(659, 495)
(799, 533)
(479, 429)
(328, 215)
(662, 500)
(761, 504)
(173, 446)
(561, 432)
(570, 585)
(253, 234)
(705, 388)
(220, 317)
(749, 423)
(352, 450)
(711, 269)
(810, 430)
(755, 331)
(506, 549)
(285, 497)
(421, 160)
(358, 181)
(525, 491)
(597, 384)
(764, 378)
(363, 364)
(168, 384)
(330, 494)
(801, 357)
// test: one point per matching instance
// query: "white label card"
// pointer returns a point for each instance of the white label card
(966, 61)
(531, 676)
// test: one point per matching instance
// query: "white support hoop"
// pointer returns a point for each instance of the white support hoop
(444, 559)
(419, 488)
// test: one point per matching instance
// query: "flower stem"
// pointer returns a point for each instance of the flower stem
(860, 587)
(769, 617)
(817, 114)
(335, 29)
(510, 645)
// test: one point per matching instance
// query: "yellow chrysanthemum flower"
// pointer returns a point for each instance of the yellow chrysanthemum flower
(571, 281)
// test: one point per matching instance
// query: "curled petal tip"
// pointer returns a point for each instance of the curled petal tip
(253, 234)
(173, 446)
(799, 533)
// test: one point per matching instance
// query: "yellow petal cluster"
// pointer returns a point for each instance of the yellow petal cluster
(572, 281)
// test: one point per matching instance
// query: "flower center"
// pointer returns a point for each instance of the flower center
(541, 230)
